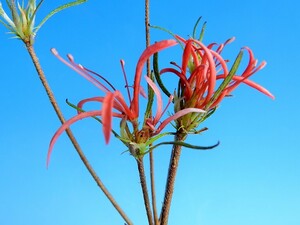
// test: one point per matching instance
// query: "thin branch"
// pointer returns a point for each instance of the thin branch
(58, 112)
(153, 192)
(173, 166)
(151, 158)
(147, 22)
(141, 169)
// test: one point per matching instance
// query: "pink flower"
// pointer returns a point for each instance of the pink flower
(200, 70)
(114, 104)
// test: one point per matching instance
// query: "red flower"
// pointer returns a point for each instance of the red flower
(114, 104)
(200, 70)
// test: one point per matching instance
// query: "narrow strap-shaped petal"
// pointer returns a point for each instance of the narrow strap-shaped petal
(66, 125)
(212, 66)
(158, 46)
(186, 56)
(252, 84)
(116, 105)
(251, 62)
(93, 99)
(176, 116)
(122, 106)
(154, 87)
(107, 115)
(183, 79)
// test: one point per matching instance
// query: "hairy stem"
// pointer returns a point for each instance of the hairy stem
(144, 189)
(151, 158)
(59, 114)
(153, 192)
(147, 30)
(173, 166)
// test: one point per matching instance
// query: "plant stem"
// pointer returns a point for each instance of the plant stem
(153, 192)
(144, 189)
(147, 29)
(58, 112)
(151, 158)
(173, 166)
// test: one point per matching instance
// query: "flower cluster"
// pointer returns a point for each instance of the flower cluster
(115, 106)
(200, 70)
(196, 98)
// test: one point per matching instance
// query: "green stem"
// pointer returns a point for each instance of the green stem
(173, 166)
(59, 114)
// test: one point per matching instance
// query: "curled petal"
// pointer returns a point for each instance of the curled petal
(176, 116)
(66, 125)
(159, 100)
(212, 67)
(251, 63)
(183, 79)
(158, 46)
(186, 56)
(107, 115)
(252, 84)
(93, 99)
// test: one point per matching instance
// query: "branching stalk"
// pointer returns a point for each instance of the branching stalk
(151, 157)
(153, 191)
(58, 112)
(141, 169)
(173, 166)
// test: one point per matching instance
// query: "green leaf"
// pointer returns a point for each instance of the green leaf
(152, 139)
(32, 18)
(228, 78)
(67, 5)
(9, 23)
(150, 99)
(202, 30)
(195, 27)
(169, 32)
(157, 75)
(180, 143)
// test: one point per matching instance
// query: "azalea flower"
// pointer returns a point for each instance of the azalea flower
(202, 67)
(115, 106)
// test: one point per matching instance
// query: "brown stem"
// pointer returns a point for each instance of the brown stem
(153, 192)
(58, 112)
(147, 16)
(173, 166)
(151, 158)
(144, 189)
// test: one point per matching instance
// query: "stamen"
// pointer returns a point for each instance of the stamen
(169, 102)
(101, 77)
(125, 78)
(80, 69)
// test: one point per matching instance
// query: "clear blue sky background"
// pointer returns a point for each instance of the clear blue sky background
(251, 178)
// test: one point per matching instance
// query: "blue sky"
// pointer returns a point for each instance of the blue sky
(251, 178)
